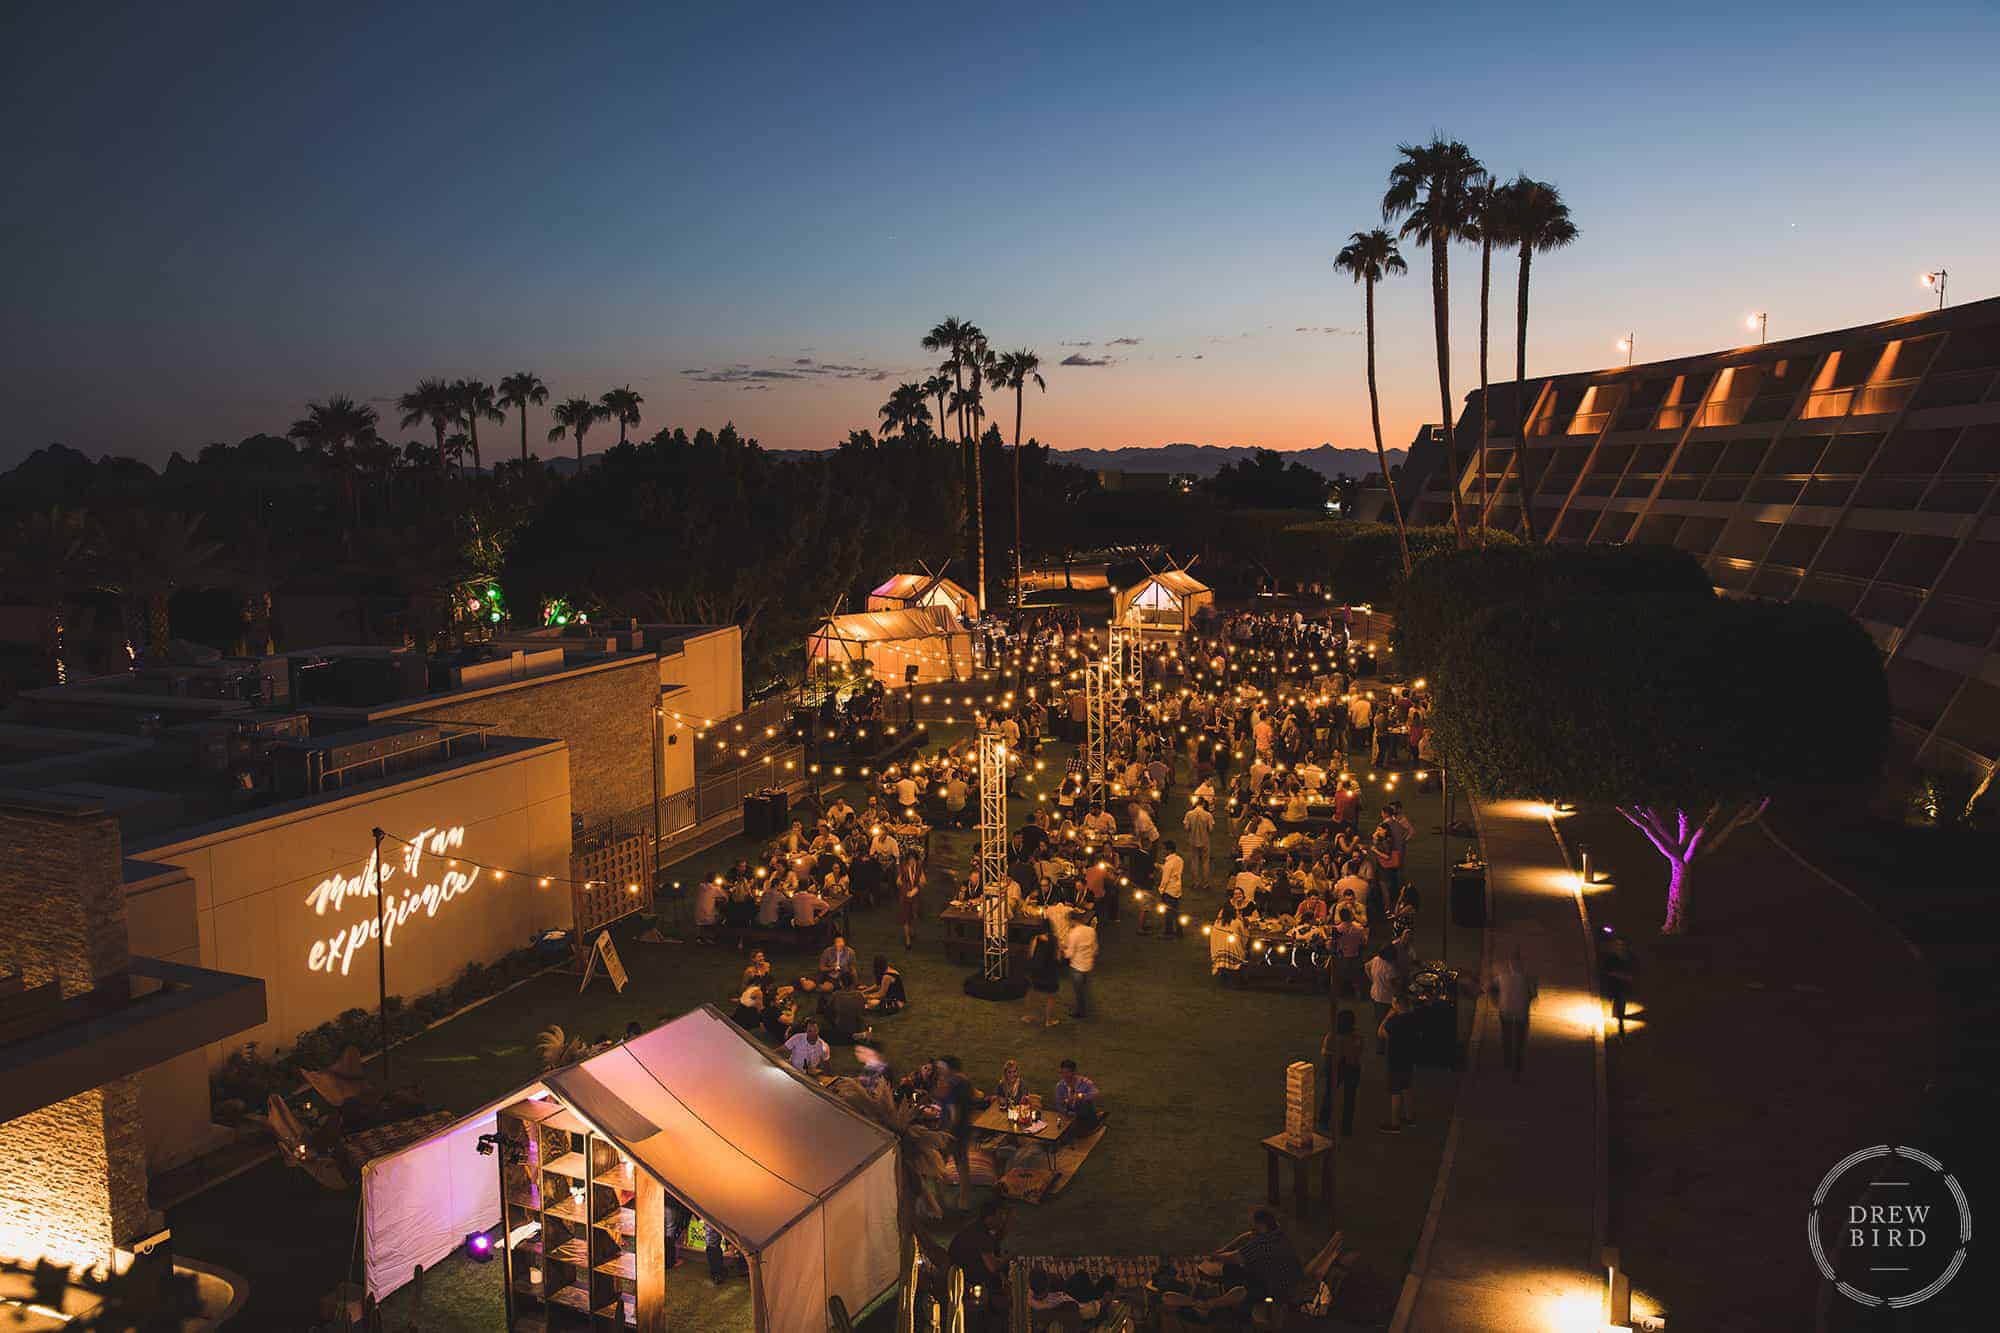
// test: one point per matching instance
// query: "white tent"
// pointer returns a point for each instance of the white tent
(929, 639)
(1166, 602)
(910, 592)
(805, 1186)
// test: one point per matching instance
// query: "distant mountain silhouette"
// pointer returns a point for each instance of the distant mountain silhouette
(1205, 460)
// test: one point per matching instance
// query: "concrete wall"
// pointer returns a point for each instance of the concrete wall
(709, 667)
(262, 897)
(72, 1175)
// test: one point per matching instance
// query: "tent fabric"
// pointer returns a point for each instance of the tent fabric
(1171, 597)
(913, 591)
(420, 1202)
(927, 638)
(801, 1182)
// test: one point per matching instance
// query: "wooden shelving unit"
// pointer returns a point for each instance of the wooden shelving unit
(570, 1214)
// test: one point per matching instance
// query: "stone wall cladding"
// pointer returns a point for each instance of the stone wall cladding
(72, 1175)
(605, 718)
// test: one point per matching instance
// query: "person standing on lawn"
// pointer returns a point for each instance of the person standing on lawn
(1340, 1064)
(1199, 822)
(1399, 1032)
(909, 897)
(1170, 889)
(1080, 948)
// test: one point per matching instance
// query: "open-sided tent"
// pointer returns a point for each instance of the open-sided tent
(802, 1184)
(911, 592)
(931, 639)
(1164, 603)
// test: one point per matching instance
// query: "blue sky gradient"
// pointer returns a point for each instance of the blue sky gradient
(219, 211)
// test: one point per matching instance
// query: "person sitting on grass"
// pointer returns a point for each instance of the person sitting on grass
(807, 1050)
(1256, 1266)
(836, 965)
(1076, 1096)
(846, 1010)
(886, 995)
(977, 1252)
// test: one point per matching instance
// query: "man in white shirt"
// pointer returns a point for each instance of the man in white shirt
(906, 791)
(1360, 712)
(1170, 890)
(807, 1051)
(1200, 826)
(771, 903)
(1080, 947)
(708, 896)
(807, 908)
(1100, 823)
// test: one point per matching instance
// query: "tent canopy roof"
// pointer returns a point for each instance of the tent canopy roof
(915, 587)
(1177, 581)
(881, 626)
(729, 1129)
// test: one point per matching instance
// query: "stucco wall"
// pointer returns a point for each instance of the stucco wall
(709, 667)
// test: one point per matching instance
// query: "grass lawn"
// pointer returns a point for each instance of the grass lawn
(1192, 1073)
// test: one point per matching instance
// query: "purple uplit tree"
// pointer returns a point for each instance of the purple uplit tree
(1688, 715)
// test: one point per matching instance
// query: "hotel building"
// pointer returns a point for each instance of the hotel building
(1859, 469)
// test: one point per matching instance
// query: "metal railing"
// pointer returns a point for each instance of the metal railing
(718, 792)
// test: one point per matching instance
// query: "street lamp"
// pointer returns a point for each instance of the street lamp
(1936, 278)
(1760, 322)
(1627, 344)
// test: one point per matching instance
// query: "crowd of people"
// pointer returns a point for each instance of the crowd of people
(1252, 766)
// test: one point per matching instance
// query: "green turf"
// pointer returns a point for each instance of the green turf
(1192, 1073)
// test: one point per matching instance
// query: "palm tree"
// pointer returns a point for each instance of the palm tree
(621, 406)
(338, 430)
(965, 347)
(149, 555)
(1536, 219)
(476, 402)
(906, 412)
(574, 416)
(1488, 223)
(1368, 257)
(44, 561)
(1016, 370)
(431, 403)
(518, 391)
(1431, 190)
(938, 386)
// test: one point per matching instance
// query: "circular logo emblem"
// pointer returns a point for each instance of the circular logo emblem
(1889, 1226)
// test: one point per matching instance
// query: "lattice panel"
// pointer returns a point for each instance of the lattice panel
(612, 870)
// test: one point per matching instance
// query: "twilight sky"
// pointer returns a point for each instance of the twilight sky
(217, 211)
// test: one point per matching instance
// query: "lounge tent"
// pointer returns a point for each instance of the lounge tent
(1163, 603)
(930, 639)
(911, 592)
(802, 1184)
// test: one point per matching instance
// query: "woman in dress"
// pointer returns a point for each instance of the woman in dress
(1044, 977)
(909, 896)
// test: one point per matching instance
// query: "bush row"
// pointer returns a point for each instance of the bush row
(247, 1080)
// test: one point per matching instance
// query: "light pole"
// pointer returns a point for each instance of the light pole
(1937, 278)
(1760, 322)
(381, 957)
(1627, 345)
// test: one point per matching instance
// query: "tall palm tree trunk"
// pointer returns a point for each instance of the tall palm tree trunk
(1375, 419)
(1485, 416)
(438, 427)
(1019, 393)
(472, 438)
(979, 490)
(1521, 396)
(579, 452)
(1441, 318)
(524, 432)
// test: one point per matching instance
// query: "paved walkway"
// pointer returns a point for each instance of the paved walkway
(1511, 1238)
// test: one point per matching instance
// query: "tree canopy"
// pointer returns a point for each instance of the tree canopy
(1601, 676)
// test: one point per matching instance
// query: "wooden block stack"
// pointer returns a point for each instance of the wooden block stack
(1299, 1092)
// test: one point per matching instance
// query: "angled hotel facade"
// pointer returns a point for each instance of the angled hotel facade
(1859, 468)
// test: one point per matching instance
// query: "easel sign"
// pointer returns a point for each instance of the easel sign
(603, 950)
